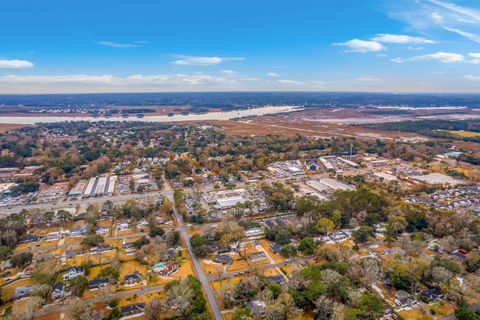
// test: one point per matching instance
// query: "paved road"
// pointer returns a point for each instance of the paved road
(268, 266)
(61, 308)
(196, 263)
(87, 201)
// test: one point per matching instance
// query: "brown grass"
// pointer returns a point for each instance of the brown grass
(10, 126)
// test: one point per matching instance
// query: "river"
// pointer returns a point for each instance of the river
(227, 115)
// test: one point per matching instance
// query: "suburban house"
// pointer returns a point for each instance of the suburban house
(132, 279)
(142, 224)
(98, 283)
(22, 292)
(70, 253)
(278, 279)
(78, 232)
(257, 256)
(434, 294)
(123, 226)
(101, 230)
(73, 272)
(131, 310)
(276, 248)
(29, 238)
(223, 259)
(101, 248)
(165, 269)
(58, 291)
(404, 299)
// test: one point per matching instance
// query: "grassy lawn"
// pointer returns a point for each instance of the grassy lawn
(9, 289)
(414, 314)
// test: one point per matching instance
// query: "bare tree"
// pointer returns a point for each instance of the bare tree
(27, 312)
(78, 310)
(155, 309)
(180, 296)
(328, 309)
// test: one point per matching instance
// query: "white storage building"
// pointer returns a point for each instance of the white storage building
(90, 187)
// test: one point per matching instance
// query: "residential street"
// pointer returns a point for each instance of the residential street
(196, 262)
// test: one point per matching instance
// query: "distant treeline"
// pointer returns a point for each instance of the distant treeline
(240, 100)
(433, 128)
(131, 111)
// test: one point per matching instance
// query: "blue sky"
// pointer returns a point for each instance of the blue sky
(159, 46)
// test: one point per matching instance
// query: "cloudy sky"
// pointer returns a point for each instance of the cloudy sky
(56, 46)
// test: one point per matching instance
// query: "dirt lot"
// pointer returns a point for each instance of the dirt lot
(335, 122)
(297, 123)
(10, 126)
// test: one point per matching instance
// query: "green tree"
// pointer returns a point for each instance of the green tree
(464, 313)
(363, 234)
(325, 226)
(307, 245)
(288, 251)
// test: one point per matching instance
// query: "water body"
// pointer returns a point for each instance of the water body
(227, 115)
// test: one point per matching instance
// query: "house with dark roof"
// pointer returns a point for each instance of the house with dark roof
(132, 279)
(29, 238)
(257, 256)
(223, 259)
(74, 272)
(97, 283)
(70, 253)
(78, 232)
(276, 248)
(130, 310)
(404, 299)
(431, 295)
(278, 279)
(101, 248)
(22, 292)
(58, 291)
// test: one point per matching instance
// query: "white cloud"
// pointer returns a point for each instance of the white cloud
(119, 45)
(427, 15)
(400, 38)
(288, 81)
(464, 11)
(273, 75)
(437, 17)
(362, 46)
(368, 79)
(42, 79)
(474, 58)
(202, 61)
(229, 72)
(470, 77)
(444, 57)
(15, 64)
(471, 36)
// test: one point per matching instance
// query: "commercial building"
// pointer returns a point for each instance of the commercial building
(77, 190)
(101, 186)
(336, 185)
(317, 185)
(111, 185)
(226, 199)
(437, 178)
(90, 187)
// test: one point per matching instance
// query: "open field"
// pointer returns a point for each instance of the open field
(10, 126)
(462, 133)
(337, 122)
